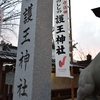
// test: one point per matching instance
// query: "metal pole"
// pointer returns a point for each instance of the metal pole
(71, 55)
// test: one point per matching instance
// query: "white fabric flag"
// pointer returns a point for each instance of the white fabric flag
(61, 38)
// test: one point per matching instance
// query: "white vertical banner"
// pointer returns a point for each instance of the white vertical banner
(61, 38)
(1, 18)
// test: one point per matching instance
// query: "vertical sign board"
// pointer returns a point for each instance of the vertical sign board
(33, 66)
(61, 38)
(23, 75)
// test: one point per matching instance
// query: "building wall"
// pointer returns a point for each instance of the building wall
(62, 82)
(76, 77)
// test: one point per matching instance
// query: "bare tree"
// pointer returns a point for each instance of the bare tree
(11, 16)
(79, 52)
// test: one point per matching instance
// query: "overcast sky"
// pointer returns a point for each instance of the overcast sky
(85, 27)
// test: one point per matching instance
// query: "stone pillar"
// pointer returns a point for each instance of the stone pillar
(34, 53)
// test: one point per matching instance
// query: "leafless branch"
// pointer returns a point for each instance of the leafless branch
(11, 16)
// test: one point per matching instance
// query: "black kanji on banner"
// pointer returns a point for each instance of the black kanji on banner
(60, 39)
(60, 29)
(60, 50)
(59, 6)
(59, 19)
